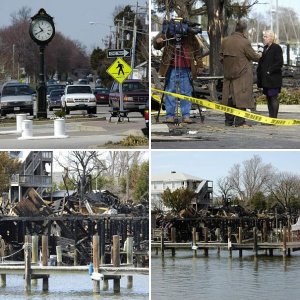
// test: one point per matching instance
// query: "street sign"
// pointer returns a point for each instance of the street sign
(113, 53)
(119, 70)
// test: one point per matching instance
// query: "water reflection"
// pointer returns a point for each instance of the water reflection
(221, 277)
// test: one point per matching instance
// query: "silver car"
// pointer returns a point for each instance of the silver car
(16, 98)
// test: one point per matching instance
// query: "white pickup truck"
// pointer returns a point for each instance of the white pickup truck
(79, 97)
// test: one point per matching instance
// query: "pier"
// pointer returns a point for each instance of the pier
(98, 271)
(257, 241)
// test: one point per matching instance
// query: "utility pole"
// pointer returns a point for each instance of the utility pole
(122, 36)
(134, 38)
(13, 61)
(277, 23)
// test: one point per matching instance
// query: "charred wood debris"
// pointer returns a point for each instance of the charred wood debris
(221, 217)
(71, 221)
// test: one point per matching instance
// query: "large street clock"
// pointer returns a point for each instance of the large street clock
(42, 31)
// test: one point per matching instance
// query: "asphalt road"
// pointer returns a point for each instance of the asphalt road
(213, 134)
(82, 133)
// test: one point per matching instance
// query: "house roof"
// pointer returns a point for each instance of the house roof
(174, 176)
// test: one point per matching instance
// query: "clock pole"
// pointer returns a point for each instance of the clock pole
(42, 31)
(42, 90)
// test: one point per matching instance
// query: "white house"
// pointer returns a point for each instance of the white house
(202, 187)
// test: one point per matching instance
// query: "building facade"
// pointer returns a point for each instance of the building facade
(202, 187)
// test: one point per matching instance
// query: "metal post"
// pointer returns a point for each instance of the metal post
(42, 90)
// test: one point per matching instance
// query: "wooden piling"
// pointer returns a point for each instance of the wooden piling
(194, 241)
(2, 280)
(284, 240)
(205, 240)
(35, 254)
(45, 261)
(173, 239)
(116, 261)
(129, 251)
(59, 255)
(255, 241)
(229, 241)
(240, 240)
(27, 260)
(162, 241)
(96, 283)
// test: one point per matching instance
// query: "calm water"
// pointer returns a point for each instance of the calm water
(220, 277)
(74, 287)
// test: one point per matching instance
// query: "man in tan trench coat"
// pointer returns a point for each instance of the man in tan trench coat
(236, 55)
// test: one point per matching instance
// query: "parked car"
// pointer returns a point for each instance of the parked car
(135, 94)
(83, 81)
(79, 97)
(54, 99)
(52, 87)
(16, 98)
(102, 95)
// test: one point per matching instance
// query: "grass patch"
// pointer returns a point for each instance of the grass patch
(287, 96)
(130, 141)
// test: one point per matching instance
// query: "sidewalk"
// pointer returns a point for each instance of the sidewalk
(213, 134)
(83, 133)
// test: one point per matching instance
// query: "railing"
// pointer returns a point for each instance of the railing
(32, 180)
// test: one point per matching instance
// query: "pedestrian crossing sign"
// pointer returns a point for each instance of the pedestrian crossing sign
(119, 70)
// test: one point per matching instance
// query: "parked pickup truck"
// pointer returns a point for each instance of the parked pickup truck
(79, 97)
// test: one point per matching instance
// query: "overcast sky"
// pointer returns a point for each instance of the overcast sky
(72, 17)
(212, 165)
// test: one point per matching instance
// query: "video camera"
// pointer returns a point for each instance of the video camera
(179, 27)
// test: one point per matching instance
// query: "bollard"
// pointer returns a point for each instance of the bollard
(20, 118)
(59, 128)
(26, 128)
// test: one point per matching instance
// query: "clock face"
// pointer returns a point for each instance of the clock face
(42, 30)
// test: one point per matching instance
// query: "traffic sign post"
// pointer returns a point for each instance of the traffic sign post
(113, 53)
(119, 70)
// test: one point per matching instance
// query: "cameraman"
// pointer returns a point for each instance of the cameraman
(236, 55)
(180, 67)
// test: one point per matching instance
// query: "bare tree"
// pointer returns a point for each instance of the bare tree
(250, 178)
(225, 188)
(285, 189)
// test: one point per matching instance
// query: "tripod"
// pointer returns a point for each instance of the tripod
(180, 66)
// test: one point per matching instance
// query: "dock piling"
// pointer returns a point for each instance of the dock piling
(35, 254)
(129, 260)
(96, 283)
(116, 261)
(27, 258)
(45, 261)
(173, 238)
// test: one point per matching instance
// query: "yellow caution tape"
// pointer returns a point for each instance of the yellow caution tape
(229, 110)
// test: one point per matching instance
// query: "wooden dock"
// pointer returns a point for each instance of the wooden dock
(286, 245)
(32, 270)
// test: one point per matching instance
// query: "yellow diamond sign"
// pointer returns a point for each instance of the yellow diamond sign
(119, 70)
